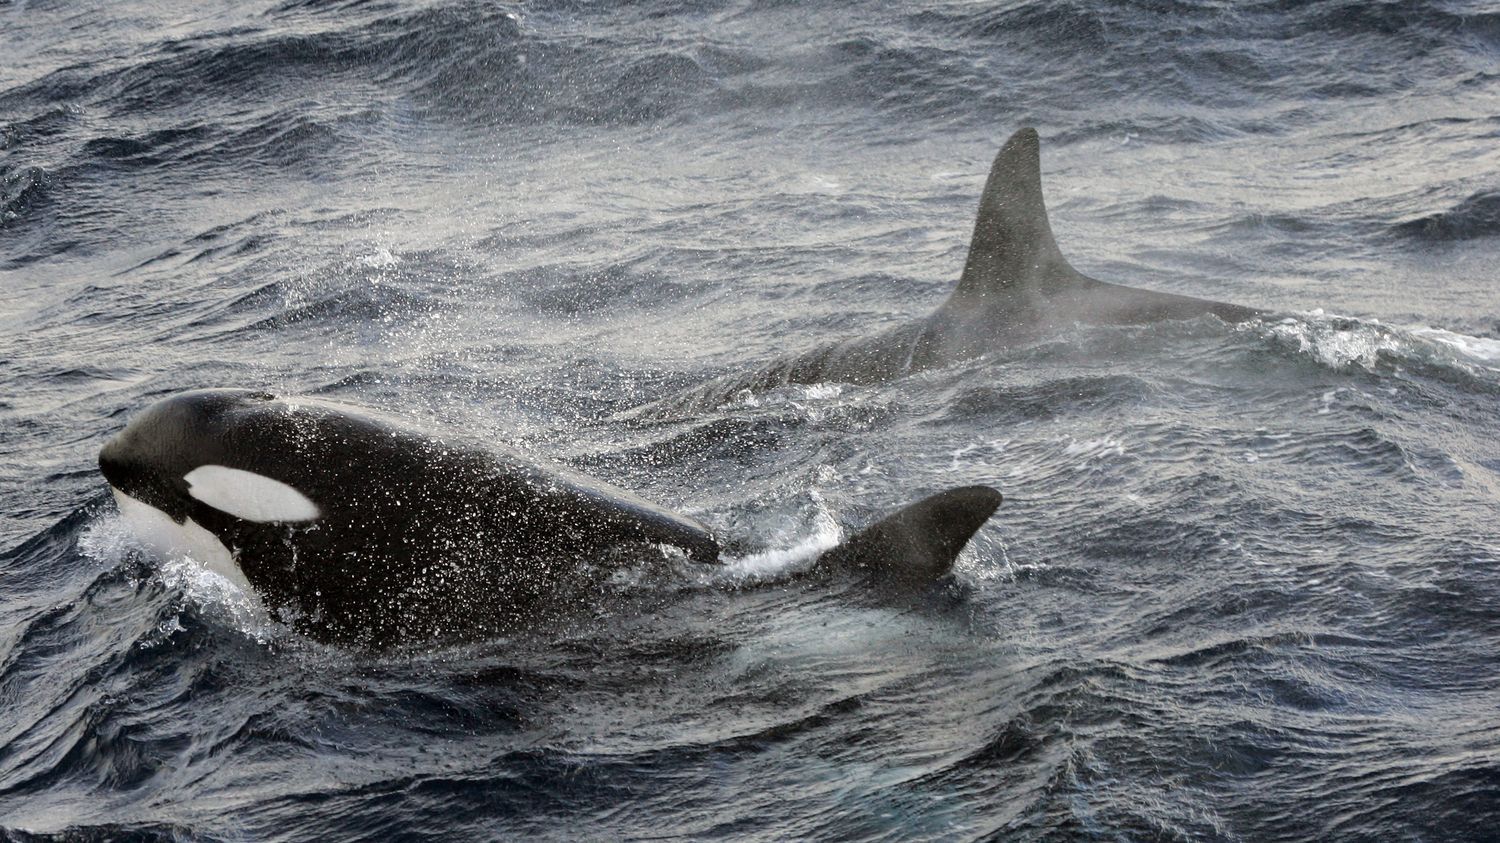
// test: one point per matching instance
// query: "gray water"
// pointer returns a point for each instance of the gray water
(1244, 582)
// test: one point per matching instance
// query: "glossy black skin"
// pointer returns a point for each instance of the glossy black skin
(418, 537)
(916, 545)
(1016, 288)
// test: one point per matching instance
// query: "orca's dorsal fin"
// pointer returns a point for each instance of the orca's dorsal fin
(1013, 245)
(918, 543)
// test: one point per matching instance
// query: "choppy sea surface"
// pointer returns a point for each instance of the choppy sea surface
(1246, 581)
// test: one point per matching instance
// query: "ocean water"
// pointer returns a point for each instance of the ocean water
(1246, 581)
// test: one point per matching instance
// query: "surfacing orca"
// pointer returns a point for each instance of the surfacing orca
(1016, 287)
(361, 529)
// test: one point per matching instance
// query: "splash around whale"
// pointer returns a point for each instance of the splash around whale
(358, 528)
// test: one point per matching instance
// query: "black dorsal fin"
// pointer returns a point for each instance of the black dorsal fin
(1013, 244)
(918, 543)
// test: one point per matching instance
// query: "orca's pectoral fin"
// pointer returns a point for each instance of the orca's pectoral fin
(918, 543)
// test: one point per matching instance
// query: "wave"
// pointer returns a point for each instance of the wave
(103, 833)
(20, 189)
(479, 64)
(469, 60)
(149, 150)
(1475, 217)
(47, 124)
(1342, 343)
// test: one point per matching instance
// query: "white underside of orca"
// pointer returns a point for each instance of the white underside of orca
(169, 540)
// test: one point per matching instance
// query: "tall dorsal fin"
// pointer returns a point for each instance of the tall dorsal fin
(1013, 242)
(918, 543)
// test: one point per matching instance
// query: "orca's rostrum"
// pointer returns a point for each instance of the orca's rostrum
(361, 529)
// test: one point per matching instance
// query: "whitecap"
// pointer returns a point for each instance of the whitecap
(779, 561)
(109, 542)
(1478, 349)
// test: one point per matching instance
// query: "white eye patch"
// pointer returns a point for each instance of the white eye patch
(247, 495)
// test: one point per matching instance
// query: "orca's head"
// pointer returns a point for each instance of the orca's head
(208, 446)
(204, 457)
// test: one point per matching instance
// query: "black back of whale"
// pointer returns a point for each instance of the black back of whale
(422, 538)
(1016, 287)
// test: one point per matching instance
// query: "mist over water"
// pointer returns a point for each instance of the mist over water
(1246, 581)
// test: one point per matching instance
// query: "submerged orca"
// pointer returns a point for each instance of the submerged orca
(358, 528)
(1016, 287)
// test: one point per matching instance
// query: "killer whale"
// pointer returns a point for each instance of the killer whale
(1015, 288)
(359, 528)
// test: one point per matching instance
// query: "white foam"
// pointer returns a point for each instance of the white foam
(1478, 349)
(1343, 341)
(777, 562)
(109, 540)
(822, 391)
(192, 560)
(982, 453)
(1336, 341)
(208, 588)
(381, 258)
(1104, 446)
(1327, 399)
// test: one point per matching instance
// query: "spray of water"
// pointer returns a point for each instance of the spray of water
(788, 554)
(110, 543)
